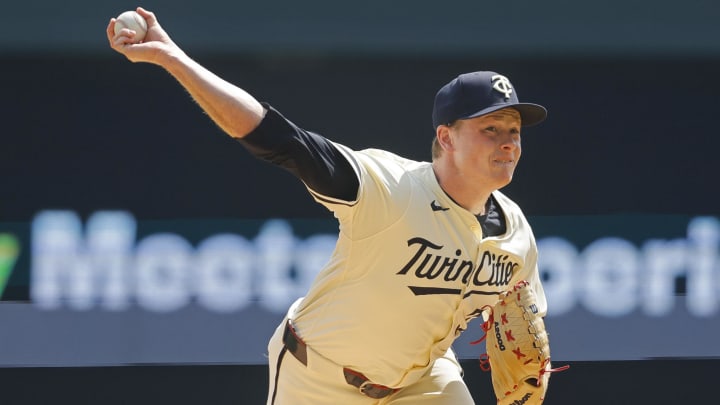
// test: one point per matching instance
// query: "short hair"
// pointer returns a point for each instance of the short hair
(436, 148)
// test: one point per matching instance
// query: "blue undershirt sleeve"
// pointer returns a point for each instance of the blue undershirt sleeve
(308, 156)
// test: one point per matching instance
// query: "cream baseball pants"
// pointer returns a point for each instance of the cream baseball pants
(322, 381)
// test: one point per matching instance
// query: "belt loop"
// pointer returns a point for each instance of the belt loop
(299, 350)
(294, 344)
(365, 386)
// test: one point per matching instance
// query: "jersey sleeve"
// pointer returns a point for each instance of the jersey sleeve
(383, 195)
(312, 158)
(535, 281)
(531, 264)
(525, 236)
(366, 190)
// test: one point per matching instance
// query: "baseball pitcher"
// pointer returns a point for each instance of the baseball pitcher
(423, 247)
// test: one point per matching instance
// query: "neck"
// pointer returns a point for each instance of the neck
(471, 196)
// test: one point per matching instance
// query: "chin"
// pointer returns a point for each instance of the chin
(502, 182)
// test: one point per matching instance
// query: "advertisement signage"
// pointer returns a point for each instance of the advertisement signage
(114, 290)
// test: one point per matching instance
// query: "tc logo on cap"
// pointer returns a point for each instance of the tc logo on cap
(502, 84)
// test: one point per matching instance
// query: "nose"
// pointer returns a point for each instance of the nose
(510, 142)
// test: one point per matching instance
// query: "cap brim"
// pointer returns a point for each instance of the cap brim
(530, 114)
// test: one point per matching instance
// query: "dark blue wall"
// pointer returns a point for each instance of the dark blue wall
(632, 128)
(97, 132)
(477, 27)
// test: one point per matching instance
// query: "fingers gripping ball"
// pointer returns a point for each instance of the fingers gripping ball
(518, 349)
(132, 21)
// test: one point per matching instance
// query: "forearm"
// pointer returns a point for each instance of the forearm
(234, 110)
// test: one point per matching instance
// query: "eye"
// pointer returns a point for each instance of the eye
(491, 129)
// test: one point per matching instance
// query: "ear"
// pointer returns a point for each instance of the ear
(444, 137)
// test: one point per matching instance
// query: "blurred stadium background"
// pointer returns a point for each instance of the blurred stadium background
(146, 258)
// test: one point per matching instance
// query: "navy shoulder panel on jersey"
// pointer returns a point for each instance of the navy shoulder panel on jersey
(307, 155)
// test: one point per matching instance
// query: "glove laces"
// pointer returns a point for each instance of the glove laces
(484, 359)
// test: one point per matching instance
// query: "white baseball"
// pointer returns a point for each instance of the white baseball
(132, 21)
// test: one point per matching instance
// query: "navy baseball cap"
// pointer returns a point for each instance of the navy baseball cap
(474, 94)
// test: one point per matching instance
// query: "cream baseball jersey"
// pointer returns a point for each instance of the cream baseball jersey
(410, 269)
